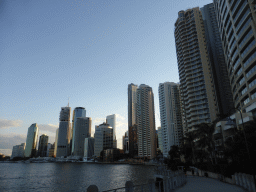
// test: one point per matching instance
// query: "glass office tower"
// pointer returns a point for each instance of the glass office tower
(31, 141)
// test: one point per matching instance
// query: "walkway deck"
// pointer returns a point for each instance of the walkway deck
(203, 184)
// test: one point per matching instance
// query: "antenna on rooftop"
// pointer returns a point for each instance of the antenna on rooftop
(68, 102)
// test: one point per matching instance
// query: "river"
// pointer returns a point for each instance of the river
(70, 176)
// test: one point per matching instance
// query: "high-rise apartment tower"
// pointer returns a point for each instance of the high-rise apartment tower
(237, 27)
(170, 113)
(145, 117)
(222, 86)
(197, 89)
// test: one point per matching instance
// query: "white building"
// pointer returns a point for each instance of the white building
(170, 113)
(83, 130)
(31, 141)
(18, 150)
(111, 120)
(63, 146)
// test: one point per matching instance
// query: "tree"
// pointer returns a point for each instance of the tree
(174, 152)
(188, 147)
(204, 139)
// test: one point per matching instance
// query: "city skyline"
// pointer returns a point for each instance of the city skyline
(86, 51)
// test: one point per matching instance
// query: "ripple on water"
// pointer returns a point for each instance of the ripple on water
(70, 176)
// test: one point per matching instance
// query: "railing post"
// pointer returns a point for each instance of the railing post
(165, 184)
(128, 186)
(151, 185)
(92, 188)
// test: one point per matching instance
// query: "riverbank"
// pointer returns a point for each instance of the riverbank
(105, 163)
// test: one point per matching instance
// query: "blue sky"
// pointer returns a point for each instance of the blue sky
(88, 51)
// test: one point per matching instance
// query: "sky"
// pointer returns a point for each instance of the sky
(83, 51)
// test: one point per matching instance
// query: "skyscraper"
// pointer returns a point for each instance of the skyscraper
(224, 95)
(236, 22)
(111, 120)
(197, 90)
(132, 104)
(63, 146)
(83, 130)
(145, 117)
(31, 141)
(132, 123)
(43, 144)
(170, 113)
(78, 112)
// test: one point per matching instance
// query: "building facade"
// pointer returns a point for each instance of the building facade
(56, 142)
(145, 117)
(111, 120)
(51, 150)
(132, 123)
(170, 113)
(197, 91)
(43, 144)
(237, 27)
(83, 130)
(126, 142)
(31, 141)
(103, 138)
(18, 150)
(160, 140)
(88, 147)
(222, 86)
(78, 112)
(63, 146)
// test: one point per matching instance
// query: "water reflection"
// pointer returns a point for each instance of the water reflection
(70, 176)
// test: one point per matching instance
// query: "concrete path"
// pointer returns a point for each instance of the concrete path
(203, 184)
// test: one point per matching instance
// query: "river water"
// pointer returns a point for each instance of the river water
(70, 176)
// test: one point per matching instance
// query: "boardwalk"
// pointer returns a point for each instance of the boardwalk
(202, 184)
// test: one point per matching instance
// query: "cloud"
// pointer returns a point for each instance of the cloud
(121, 128)
(98, 121)
(7, 141)
(48, 127)
(5, 123)
(120, 117)
(6, 152)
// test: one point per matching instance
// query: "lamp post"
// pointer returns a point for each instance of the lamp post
(246, 144)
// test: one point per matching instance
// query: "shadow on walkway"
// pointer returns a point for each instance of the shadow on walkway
(203, 184)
